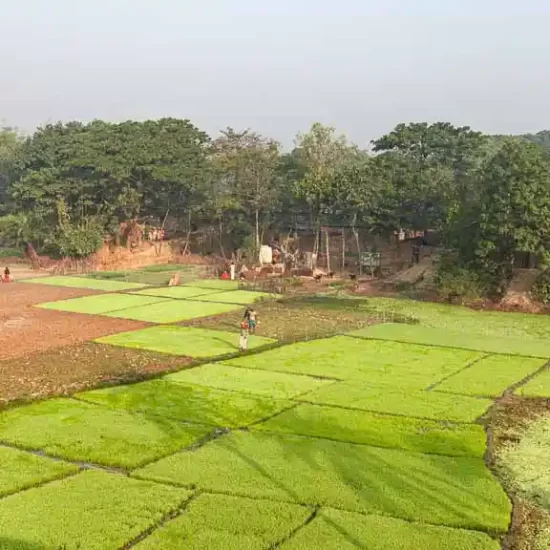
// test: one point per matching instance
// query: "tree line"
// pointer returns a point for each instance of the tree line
(69, 184)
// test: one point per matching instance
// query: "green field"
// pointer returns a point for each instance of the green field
(172, 311)
(193, 342)
(418, 334)
(85, 282)
(492, 375)
(104, 303)
(215, 284)
(243, 297)
(175, 401)
(365, 440)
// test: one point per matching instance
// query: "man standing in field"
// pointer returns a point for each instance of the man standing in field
(243, 340)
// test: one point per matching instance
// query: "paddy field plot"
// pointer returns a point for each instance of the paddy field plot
(177, 292)
(215, 284)
(419, 404)
(538, 386)
(378, 362)
(223, 522)
(225, 377)
(454, 491)
(242, 297)
(188, 341)
(20, 470)
(418, 334)
(85, 282)
(180, 402)
(101, 304)
(355, 426)
(172, 311)
(492, 375)
(84, 432)
(348, 531)
(93, 510)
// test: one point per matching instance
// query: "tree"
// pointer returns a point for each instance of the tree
(247, 163)
(10, 143)
(511, 216)
(430, 167)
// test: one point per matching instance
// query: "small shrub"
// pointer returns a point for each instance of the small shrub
(459, 282)
(541, 289)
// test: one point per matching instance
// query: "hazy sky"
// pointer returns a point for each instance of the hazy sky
(360, 65)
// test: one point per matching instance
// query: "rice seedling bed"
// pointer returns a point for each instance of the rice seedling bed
(375, 361)
(170, 400)
(492, 375)
(453, 491)
(85, 282)
(272, 384)
(235, 297)
(421, 404)
(20, 470)
(417, 334)
(93, 510)
(215, 284)
(422, 436)
(188, 341)
(172, 311)
(87, 433)
(222, 522)
(539, 386)
(104, 303)
(349, 531)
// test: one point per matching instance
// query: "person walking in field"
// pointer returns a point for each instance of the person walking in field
(243, 339)
(252, 320)
(6, 278)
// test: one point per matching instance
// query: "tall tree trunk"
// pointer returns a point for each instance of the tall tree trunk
(356, 235)
(257, 231)
(327, 243)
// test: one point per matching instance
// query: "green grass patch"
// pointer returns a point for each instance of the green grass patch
(192, 342)
(423, 436)
(216, 284)
(219, 522)
(225, 377)
(20, 470)
(93, 510)
(85, 282)
(420, 404)
(453, 491)
(377, 361)
(492, 375)
(191, 403)
(236, 297)
(177, 292)
(104, 303)
(83, 432)
(417, 334)
(481, 324)
(172, 311)
(349, 531)
(539, 386)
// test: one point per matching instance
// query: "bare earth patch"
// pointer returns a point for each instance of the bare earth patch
(24, 328)
(74, 368)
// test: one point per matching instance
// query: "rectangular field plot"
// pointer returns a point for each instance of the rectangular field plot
(423, 436)
(422, 404)
(192, 342)
(219, 522)
(92, 510)
(176, 292)
(539, 386)
(87, 433)
(377, 361)
(349, 531)
(214, 284)
(172, 311)
(418, 334)
(225, 377)
(491, 376)
(455, 491)
(20, 470)
(235, 297)
(188, 403)
(83, 282)
(104, 303)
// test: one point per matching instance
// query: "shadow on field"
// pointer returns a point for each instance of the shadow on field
(16, 544)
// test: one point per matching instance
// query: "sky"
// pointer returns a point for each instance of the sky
(362, 66)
